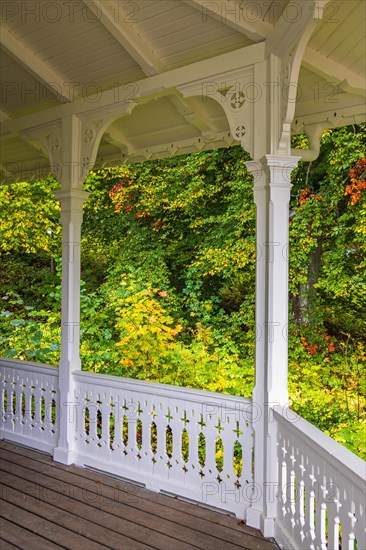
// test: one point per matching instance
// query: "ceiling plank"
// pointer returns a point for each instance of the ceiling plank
(235, 16)
(132, 42)
(334, 72)
(37, 68)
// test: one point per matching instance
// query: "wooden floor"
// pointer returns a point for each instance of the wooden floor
(45, 505)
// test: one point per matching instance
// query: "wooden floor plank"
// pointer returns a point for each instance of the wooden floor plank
(77, 526)
(225, 534)
(136, 519)
(24, 538)
(125, 490)
(80, 517)
(5, 545)
(157, 520)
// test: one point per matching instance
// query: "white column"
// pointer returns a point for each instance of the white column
(271, 195)
(71, 201)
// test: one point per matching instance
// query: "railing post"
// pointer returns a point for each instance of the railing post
(71, 201)
(271, 195)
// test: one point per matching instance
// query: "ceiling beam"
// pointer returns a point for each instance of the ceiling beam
(33, 65)
(116, 137)
(296, 22)
(3, 116)
(237, 16)
(195, 117)
(129, 39)
(5, 171)
(334, 72)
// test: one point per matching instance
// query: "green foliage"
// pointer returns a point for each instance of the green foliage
(168, 269)
(29, 220)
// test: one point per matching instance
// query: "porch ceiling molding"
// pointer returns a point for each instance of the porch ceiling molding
(331, 92)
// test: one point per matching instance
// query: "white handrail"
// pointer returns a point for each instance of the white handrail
(321, 488)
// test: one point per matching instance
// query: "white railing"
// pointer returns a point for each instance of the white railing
(29, 404)
(322, 489)
(194, 444)
(190, 443)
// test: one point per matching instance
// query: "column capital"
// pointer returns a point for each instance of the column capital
(272, 170)
(71, 199)
(272, 161)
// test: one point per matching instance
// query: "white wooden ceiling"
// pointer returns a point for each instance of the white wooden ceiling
(56, 53)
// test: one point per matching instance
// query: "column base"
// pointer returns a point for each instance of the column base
(255, 518)
(64, 456)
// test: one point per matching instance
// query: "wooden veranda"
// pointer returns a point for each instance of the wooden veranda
(46, 505)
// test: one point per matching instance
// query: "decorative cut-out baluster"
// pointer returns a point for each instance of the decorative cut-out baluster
(111, 430)
(43, 410)
(201, 450)
(18, 424)
(220, 454)
(169, 442)
(23, 405)
(158, 417)
(185, 445)
(105, 410)
(125, 430)
(237, 459)
(33, 409)
(86, 423)
(131, 411)
(139, 436)
(4, 400)
(153, 439)
(145, 417)
(211, 428)
(13, 402)
(99, 425)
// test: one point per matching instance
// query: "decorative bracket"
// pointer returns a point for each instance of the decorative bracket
(234, 93)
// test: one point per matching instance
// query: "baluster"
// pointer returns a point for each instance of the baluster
(333, 524)
(193, 466)
(47, 410)
(358, 502)
(146, 420)
(9, 425)
(211, 428)
(93, 421)
(160, 420)
(132, 417)
(18, 426)
(27, 417)
(348, 518)
(176, 420)
(246, 441)
(105, 413)
(37, 393)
